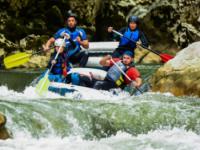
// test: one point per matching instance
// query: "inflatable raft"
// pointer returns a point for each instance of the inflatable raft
(63, 88)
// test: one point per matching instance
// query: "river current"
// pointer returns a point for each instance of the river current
(83, 121)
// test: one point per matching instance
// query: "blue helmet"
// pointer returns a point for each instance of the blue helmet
(129, 53)
(133, 19)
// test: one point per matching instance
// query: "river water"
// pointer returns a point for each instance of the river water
(108, 121)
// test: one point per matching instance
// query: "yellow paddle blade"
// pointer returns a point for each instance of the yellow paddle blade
(43, 85)
(16, 60)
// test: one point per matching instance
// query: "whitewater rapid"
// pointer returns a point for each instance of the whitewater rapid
(174, 139)
(152, 121)
(30, 94)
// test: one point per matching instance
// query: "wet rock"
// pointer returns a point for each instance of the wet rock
(140, 54)
(37, 61)
(170, 25)
(143, 56)
(87, 9)
(3, 132)
(181, 75)
(55, 19)
(7, 45)
(2, 120)
(151, 58)
(33, 41)
(3, 18)
(2, 52)
(164, 21)
(198, 19)
(185, 34)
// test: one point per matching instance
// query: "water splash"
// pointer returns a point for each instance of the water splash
(175, 139)
(30, 94)
(149, 121)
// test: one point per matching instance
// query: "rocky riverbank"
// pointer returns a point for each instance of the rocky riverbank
(181, 75)
(168, 24)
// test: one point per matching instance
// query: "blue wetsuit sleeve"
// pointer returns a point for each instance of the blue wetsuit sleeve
(58, 33)
(115, 37)
(73, 51)
(82, 34)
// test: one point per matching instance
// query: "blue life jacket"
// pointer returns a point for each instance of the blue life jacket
(73, 35)
(133, 35)
(60, 64)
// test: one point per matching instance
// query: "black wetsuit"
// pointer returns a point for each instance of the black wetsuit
(97, 84)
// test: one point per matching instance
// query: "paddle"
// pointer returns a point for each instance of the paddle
(163, 56)
(18, 59)
(44, 83)
(125, 75)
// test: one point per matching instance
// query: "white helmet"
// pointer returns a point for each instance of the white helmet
(59, 42)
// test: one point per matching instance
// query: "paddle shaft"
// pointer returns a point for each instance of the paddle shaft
(49, 70)
(56, 56)
(125, 74)
(118, 33)
(40, 50)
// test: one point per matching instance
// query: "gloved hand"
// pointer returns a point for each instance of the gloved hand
(138, 44)
(110, 29)
(78, 39)
(66, 35)
(53, 62)
(45, 48)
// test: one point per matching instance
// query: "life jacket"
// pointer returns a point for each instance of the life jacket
(62, 66)
(115, 75)
(133, 35)
(73, 35)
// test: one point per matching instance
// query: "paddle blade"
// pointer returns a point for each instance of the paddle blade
(43, 85)
(16, 60)
(166, 57)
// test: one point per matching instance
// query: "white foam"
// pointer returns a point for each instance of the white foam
(99, 95)
(174, 139)
(30, 94)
